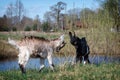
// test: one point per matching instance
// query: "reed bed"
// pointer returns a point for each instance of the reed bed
(101, 42)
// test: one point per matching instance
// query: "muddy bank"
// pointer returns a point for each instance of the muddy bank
(7, 51)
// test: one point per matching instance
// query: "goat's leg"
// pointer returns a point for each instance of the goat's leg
(22, 68)
(42, 64)
(22, 65)
(50, 62)
(79, 59)
(86, 59)
(23, 58)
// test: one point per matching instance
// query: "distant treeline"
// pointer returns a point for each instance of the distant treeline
(57, 18)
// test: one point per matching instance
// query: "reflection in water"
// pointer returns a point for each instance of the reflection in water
(34, 63)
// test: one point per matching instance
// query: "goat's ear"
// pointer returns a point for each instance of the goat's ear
(70, 34)
(62, 37)
(74, 33)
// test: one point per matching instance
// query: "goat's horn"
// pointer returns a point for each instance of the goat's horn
(74, 33)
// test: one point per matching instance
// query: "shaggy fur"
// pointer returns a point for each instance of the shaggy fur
(81, 46)
(38, 47)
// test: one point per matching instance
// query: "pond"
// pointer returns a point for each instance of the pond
(34, 63)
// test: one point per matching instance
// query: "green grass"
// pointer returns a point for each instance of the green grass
(109, 71)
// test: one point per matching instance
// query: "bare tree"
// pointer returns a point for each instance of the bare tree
(26, 21)
(49, 18)
(19, 10)
(18, 14)
(57, 8)
(10, 14)
(9, 10)
(15, 14)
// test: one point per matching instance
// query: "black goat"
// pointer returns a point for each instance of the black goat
(81, 46)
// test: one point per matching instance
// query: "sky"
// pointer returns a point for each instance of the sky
(39, 7)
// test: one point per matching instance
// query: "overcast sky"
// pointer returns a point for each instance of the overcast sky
(39, 7)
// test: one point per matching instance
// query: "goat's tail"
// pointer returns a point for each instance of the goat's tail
(12, 42)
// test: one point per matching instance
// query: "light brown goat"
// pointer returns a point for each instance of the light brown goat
(37, 46)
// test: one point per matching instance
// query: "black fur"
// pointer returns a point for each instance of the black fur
(81, 46)
(22, 68)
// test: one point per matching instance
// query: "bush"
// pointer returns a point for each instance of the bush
(45, 26)
(34, 27)
(14, 28)
(27, 28)
(2, 28)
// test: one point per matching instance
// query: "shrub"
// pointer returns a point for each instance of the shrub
(45, 26)
(2, 28)
(27, 28)
(14, 28)
(34, 27)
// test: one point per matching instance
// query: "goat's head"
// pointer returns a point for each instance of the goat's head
(73, 38)
(60, 43)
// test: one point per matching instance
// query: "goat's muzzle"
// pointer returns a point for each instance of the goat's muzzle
(60, 47)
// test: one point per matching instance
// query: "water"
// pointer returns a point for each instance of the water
(34, 63)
